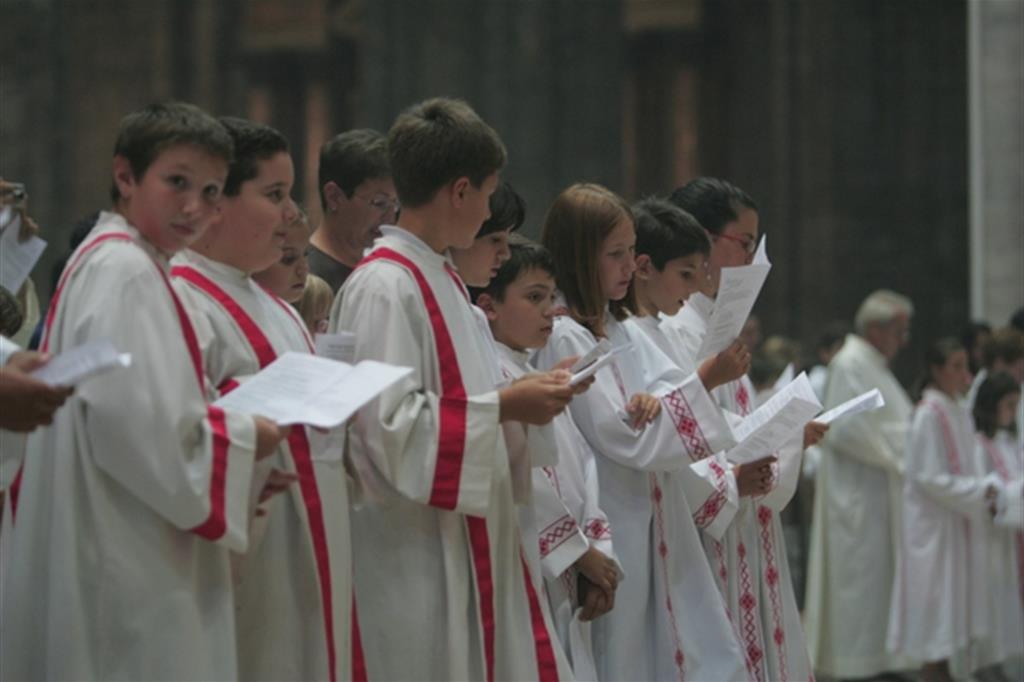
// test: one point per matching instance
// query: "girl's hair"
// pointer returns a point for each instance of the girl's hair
(316, 299)
(508, 210)
(574, 230)
(937, 355)
(986, 403)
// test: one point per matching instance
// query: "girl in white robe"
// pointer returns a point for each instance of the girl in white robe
(669, 622)
(997, 451)
(940, 597)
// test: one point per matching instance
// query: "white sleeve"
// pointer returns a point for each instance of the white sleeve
(561, 540)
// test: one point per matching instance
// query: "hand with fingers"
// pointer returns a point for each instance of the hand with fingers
(643, 408)
(729, 365)
(754, 478)
(27, 403)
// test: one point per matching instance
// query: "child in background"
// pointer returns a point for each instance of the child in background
(286, 278)
(995, 409)
(574, 537)
(940, 601)
(294, 591)
(315, 304)
(668, 621)
(140, 487)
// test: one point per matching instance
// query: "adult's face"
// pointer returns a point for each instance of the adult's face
(890, 337)
(733, 247)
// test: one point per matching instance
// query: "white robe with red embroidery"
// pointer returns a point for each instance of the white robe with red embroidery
(440, 578)
(940, 602)
(749, 557)
(669, 621)
(302, 556)
(117, 563)
(1004, 457)
(568, 520)
(855, 530)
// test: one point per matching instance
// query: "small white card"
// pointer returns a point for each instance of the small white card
(17, 258)
(590, 369)
(74, 366)
(869, 400)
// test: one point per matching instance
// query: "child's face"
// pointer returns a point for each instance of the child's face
(471, 207)
(615, 262)
(954, 377)
(524, 318)
(669, 287)
(734, 246)
(177, 197)
(287, 277)
(256, 220)
(480, 263)
(1006, 410)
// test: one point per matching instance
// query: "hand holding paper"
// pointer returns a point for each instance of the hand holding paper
(588, 365)
(74, 366)
(775, 422)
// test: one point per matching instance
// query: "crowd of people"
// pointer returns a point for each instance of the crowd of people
(495, 515)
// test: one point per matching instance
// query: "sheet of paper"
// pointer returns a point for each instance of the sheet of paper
(299, 388)
(17, 258)
(737, 291)
(591, 369)
(869, 400)
(602, 347)
(74, 366)
(761, 255)
(340, 346)
(6, 213)
(775, 422)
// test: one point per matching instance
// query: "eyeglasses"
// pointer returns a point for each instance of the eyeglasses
(749, 245)
(382, 202)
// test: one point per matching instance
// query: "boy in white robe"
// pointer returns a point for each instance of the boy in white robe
(116, 560)
(573, 534)
(643, 457)
(996, 449)
(749, 557)
(439, 572)
(941, 594)
(294, 592)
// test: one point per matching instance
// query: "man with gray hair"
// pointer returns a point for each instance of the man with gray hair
(856, 523)
(357, 197)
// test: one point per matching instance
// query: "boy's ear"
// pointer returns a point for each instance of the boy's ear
(486, 304)
(124, 178)
(459, 188)
(333, 195)
(644, 266)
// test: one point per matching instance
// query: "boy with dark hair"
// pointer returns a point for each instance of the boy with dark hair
(140, 488)
(357, 197)
(293, 596)
(441, 544)
(572, 533)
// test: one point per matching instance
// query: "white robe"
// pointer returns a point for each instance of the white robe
(568, 520)
(439, 568)
(855, 530)
(1002, 456)
(669, 622)
(117, 564)
(749, 556)
(303, 555)
(12, 443)
(940, 593)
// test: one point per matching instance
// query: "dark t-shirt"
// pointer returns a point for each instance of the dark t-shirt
(331, 271)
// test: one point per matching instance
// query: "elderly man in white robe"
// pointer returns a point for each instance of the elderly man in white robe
(855, 530)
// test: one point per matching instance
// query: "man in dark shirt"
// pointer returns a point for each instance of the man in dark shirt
(357, 197)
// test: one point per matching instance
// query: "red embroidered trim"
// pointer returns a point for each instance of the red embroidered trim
(771, 577)
(547, 665)
(555, 535)
(686, 425)
(1004, 474)
(743, 399)
(662, 548)
(298, 443)
(358, 660)
(597, 529)
(748, 616)
(481, 546)
(713, 505)
(15, 491)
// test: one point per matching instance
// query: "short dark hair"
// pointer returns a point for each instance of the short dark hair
(437, 141)
(993, 389)
(508, 211)
(254, 142)
(1006, 344)
(935, 355)
(664, 232)
(352, 157)
(713, 202)
(142, 135)
(524, 255)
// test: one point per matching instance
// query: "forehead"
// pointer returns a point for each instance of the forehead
(534, 277)
(746, 223)
(373, 186)
(622, 233)
(693, 260)
(192, 157)
(277, 168)
(298, 233)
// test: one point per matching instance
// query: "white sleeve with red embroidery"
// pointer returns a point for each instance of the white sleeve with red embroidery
(430, 448)
(149, 427)
(560, 537)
